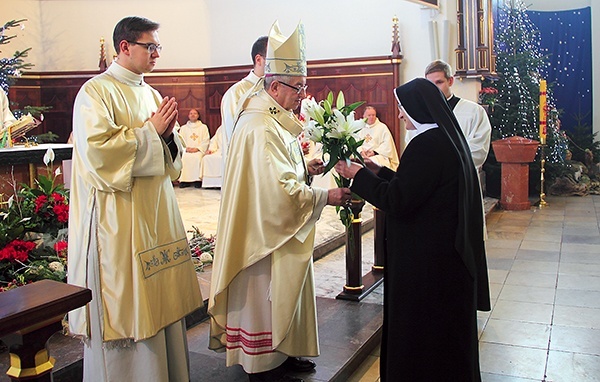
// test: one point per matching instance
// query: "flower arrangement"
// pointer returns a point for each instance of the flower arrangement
(488, 96)
(33, 232)
(202, 247)
(337, 130)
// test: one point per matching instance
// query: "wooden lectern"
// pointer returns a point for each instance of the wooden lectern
(29, 316)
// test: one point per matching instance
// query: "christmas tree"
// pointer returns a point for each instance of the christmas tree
(513, 95)
(10, 68)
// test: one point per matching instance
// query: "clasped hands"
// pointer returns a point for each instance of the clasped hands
(165, 117)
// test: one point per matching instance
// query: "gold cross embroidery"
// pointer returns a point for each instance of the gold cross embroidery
(194, 136)
(368, 138)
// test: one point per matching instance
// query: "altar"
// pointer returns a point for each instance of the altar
(21, 164)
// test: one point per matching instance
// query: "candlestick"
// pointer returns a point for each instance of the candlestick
(543, 114)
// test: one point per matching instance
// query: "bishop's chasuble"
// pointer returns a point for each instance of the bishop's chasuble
(127, 242)
(262, 299)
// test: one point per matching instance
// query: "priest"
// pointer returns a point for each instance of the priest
(196, 138)
(378, 142)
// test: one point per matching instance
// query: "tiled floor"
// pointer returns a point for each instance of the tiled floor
(544, 268)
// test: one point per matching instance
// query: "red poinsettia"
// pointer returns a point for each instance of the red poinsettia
(61, 248)
(17, 250)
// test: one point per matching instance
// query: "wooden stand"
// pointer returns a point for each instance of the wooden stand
(380, 242)
(29, 316)
(357, 287)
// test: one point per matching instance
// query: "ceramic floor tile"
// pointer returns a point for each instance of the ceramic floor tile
(499, 263)
(547, 220)
(543, 237)
(503, 235)
(522, 311)
(501, 253)
(565, 366)
(545, 230)
(535, 255)
(497, 276)
(513, 361)
(587, 229)
(538, 245)
(580, 257)
(504, 244)
(535, 266)
(581, 298)
(527, 294)
(581, 239)
(577, 316)
(489, 377)
(580, 248)
(579, 282)
(579, 269)
(495, 290)
(542, 280)
(516, 333)
(577, 340)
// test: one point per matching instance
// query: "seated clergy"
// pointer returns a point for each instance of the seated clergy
(212, 163)
(378, 142)
(196, 138)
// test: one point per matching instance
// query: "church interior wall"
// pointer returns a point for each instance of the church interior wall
(197, 34)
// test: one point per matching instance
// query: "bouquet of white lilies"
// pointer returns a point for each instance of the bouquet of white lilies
(337, 130)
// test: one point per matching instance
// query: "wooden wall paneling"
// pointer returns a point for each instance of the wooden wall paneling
(218, 80)
(367, 79)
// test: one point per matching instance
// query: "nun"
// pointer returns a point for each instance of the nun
(435, 270)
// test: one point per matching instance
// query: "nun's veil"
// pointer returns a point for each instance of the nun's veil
(426, 104)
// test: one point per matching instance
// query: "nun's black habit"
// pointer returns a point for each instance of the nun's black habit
(435, 271)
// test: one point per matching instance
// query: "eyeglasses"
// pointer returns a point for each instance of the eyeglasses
(150, 46)
(298, 89)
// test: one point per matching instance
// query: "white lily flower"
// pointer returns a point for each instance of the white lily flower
(57, 172)
(314, 132)
(344, 127)
(313, 110)
(49, 156)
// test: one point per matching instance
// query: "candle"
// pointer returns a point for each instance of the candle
(543, 113)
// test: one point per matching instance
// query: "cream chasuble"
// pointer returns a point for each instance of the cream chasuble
(379, 139)
(229, 107)
(212, 164)
(265, 240)
(127, 241)
(196, 135)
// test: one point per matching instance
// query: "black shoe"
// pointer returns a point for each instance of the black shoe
(299, 364)
(183, 184)
(198, 184)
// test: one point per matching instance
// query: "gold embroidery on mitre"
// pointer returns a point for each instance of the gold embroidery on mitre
(286, 56)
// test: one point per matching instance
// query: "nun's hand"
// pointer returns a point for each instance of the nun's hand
(372, 165)
(346, 171)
